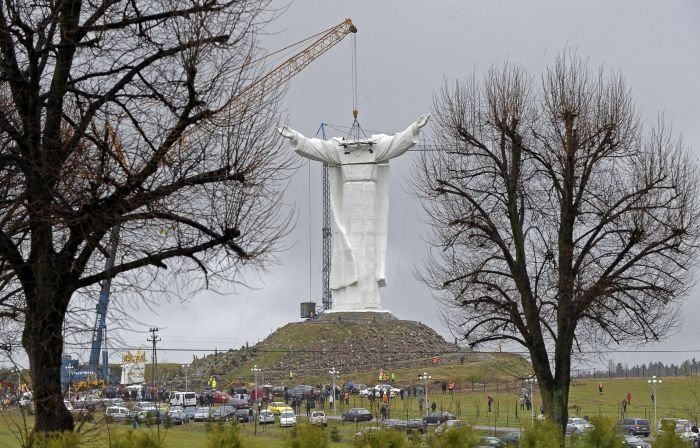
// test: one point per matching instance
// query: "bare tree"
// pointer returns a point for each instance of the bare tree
(557, 223)
(128, 115)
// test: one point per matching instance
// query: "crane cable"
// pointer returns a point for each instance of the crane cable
(354, 77)
(356, 133)
(288, 47)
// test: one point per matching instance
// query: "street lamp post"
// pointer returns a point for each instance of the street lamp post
(186, 366)
(255, 371)
(425, 378)
(334, 374)
(654, 382)
(69, 370)
(531, 382)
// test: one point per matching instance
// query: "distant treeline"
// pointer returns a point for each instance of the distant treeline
(690, 367)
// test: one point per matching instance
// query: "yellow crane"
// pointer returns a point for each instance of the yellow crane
(289, 68)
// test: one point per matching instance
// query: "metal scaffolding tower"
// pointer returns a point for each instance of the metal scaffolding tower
(326, 295)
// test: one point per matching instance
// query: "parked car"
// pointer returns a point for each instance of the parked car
(357, 415)
(395, 423)
(241, 396)
(287, 418)
(680, 425)
(366, 392)
(278, 391)
(183, 399)
(416, 424)
(224, 413)
(25, 399)
(276, 407)
(437, 417)
(216, 396)
(318, 418)
(635, 442)
(302, 391)
(238, 403)
(577, 425)
(450, 424)
(391, 390)
(178, 416)
(491, 442)
(113, 402)
(77, 413)
(243, 415)
(144, 406)
(357, 388)
(152, 416)
(266, 417)
(89, 401)
(117, 414)
(189, 412)
(634, 426)
(512, 438)
(202, 414)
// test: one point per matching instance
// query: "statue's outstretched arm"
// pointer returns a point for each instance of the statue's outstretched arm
(311, 148)
(422, 120)
(290, 134)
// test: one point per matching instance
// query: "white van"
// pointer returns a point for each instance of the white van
(117, 413)
(183, 399)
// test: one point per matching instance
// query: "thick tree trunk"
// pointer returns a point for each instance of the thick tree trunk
(556, 401)
(43, 341)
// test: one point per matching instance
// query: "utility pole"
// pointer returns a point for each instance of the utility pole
(154, 374)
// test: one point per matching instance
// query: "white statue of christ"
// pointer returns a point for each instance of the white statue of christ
(359, 184)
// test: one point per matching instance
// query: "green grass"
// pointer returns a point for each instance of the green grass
(677, 397)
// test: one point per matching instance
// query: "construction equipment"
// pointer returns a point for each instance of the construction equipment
(100, 329)
(91, 376)
(289, 68)
(99, 333)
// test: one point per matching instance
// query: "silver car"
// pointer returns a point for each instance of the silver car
(577, 425)
(288, 419)
(318, 418)
(265, 417)
(202, 414)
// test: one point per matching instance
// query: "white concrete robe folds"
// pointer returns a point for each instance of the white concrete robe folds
(359, 183)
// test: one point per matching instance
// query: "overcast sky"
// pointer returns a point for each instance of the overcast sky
(406, 50)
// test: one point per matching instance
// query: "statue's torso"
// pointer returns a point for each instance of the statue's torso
(358, 165)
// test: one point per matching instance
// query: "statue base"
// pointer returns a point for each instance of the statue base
(356, 316)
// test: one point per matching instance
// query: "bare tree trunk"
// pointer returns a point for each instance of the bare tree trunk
(43, 341)
(555, 401)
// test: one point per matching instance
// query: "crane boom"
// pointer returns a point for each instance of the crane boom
(286, 70)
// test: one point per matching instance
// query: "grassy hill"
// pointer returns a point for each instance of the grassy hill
(358, 345)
